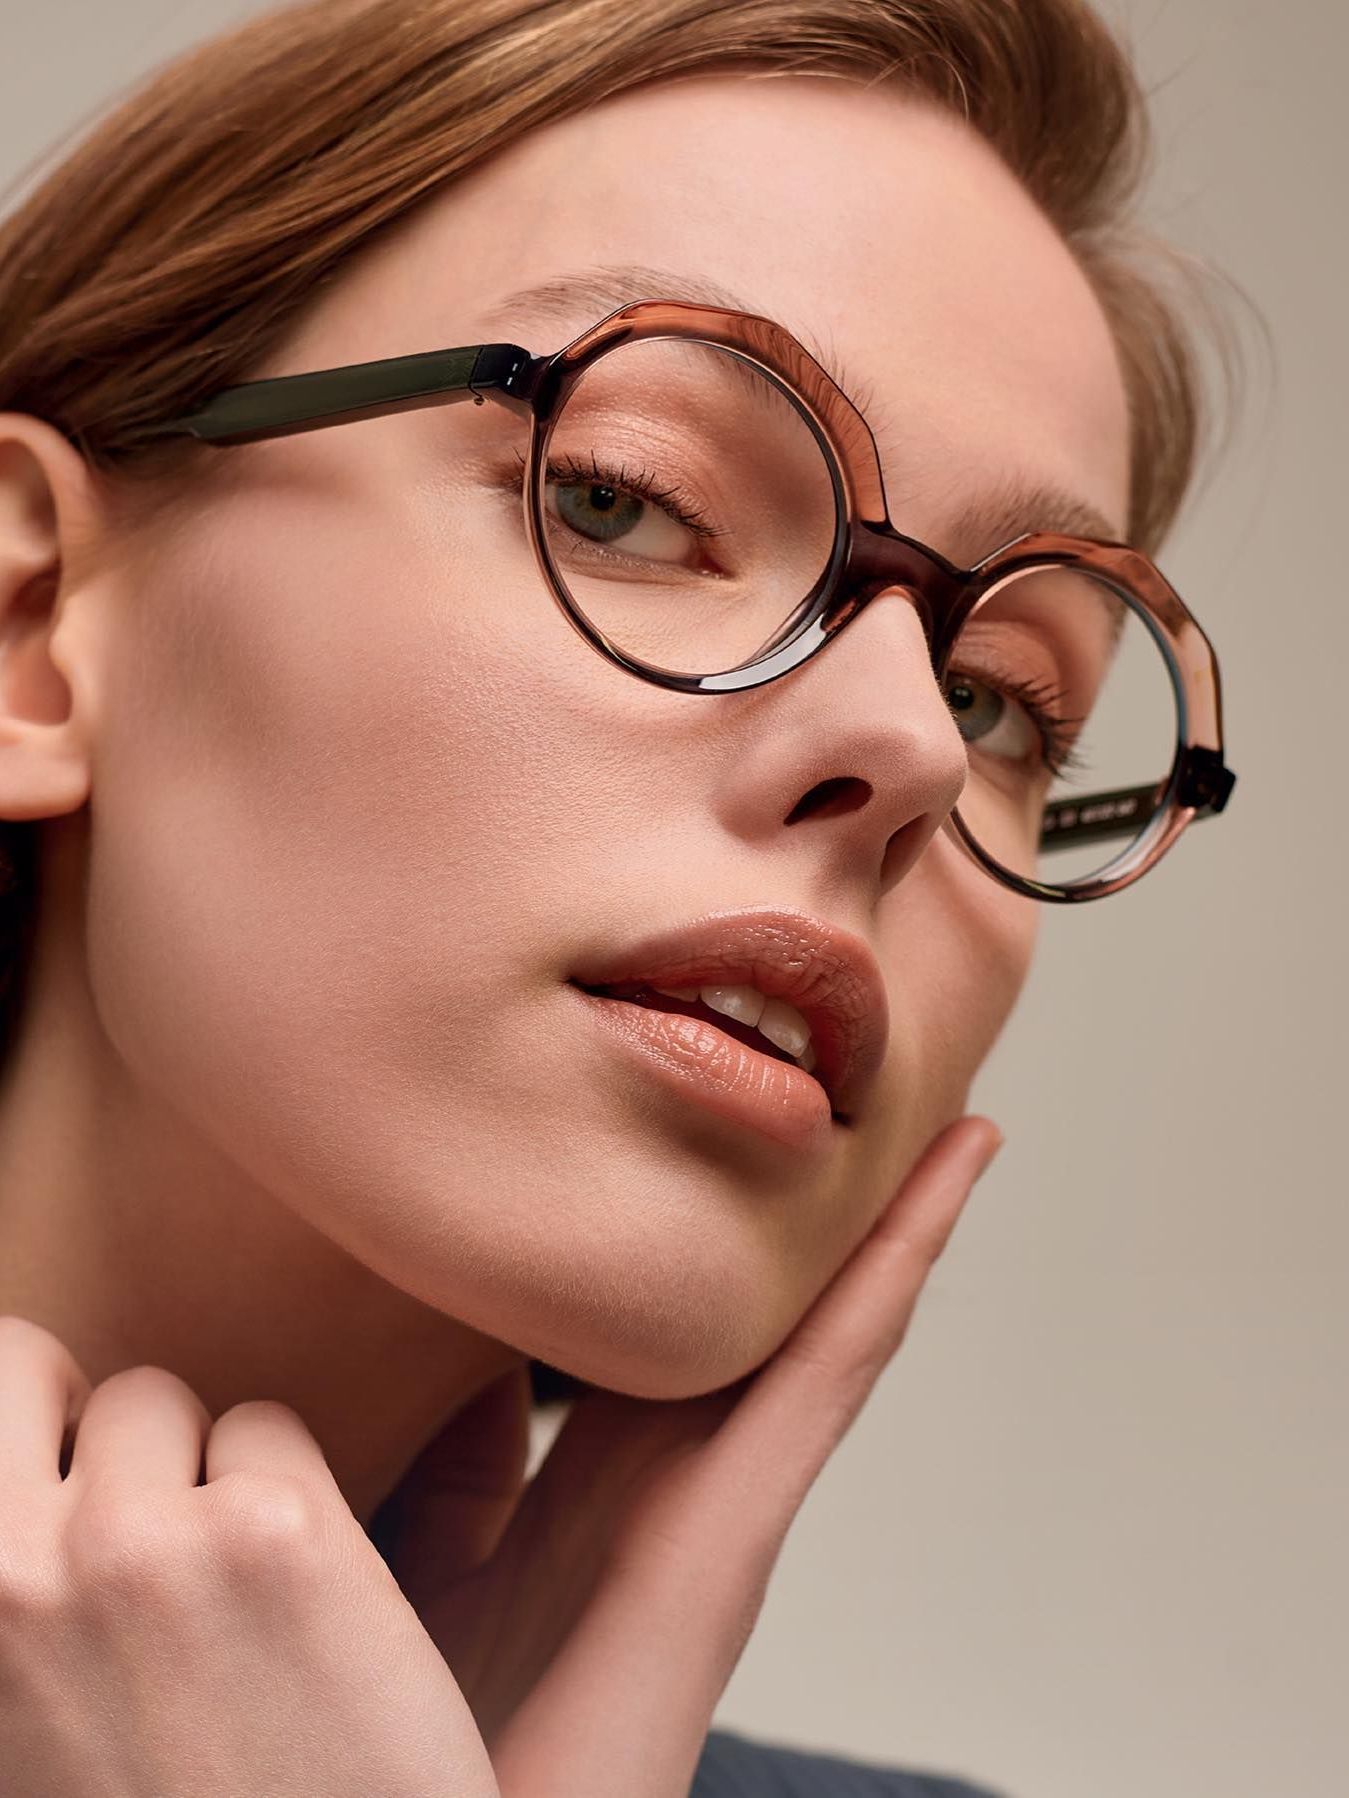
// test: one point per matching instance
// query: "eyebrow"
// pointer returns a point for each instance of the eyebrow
(605, 286)
(1022, 504)
(1018, 505)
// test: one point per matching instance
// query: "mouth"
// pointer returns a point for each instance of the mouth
(722, 1063)
(766, 997)
(691, 1004)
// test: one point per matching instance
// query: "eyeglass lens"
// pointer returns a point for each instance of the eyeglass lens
(690, 509)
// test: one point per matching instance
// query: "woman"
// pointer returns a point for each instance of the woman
(444, 797)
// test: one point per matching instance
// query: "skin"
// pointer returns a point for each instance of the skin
(337, 800)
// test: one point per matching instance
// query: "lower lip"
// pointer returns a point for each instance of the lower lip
(692, 1057)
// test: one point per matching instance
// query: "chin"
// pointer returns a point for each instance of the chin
(667, 1351)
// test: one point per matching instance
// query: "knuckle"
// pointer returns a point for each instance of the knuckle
(126, 1546)
(22, 1339)
(266, 1526)
(149, 1384)
(22, 1332)
(144, 1373)
(844, 1362)
(18, 1331)
(263, 1410)
(30, 1595)
(927, 1240)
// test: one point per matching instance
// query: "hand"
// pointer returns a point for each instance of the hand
(594, 1619)
(237, 1639)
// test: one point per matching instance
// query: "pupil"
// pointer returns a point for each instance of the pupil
(603, 498)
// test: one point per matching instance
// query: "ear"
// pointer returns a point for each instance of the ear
(49, 507)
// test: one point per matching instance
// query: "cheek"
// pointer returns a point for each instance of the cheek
(314, 788)
(957, 949)
(345, 802)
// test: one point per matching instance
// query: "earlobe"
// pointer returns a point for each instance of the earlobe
(46, 506)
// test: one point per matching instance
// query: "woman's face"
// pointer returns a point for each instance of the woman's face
(375, 802)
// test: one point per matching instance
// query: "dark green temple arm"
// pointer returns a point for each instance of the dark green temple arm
(292, 403)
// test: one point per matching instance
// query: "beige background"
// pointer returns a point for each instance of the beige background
(1088, 1538)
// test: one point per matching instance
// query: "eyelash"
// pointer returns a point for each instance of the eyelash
(1058, 747)
(675, 505)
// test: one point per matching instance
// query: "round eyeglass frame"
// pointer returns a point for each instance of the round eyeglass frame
(869, 556)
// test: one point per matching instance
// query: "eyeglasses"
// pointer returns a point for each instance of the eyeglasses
(706, 506)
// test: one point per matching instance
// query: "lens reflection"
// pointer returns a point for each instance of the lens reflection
(689, 505)
(1067, 707)
(691, 515)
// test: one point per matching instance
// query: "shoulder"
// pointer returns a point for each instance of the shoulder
(733, 1766)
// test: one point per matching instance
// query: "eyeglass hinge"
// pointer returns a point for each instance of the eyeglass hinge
(1206, 784)
(502, 367)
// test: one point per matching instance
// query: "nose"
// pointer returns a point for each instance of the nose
(860, 752)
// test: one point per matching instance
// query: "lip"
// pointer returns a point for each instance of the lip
(830, 975)
(696, 1059)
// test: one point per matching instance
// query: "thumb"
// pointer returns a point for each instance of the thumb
(447, 1514)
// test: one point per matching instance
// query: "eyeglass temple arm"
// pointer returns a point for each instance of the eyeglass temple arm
(292, 403)
(288, 404)
(1203, 782)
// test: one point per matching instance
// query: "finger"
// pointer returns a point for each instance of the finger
(610, 1480)
(142, 1427)
(809, 1393)
(684, 1579)
(43, 1389)
(447, 1514)
(614, 1476)
(263, 1435)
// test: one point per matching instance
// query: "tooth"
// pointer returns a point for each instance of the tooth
(677, 992)
(744, 1003)
(783, 1024)
(807, 1061)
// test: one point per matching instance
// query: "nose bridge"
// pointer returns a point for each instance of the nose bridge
(880, 558)
(882, 561)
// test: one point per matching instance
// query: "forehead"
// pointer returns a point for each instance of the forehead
(886, 233)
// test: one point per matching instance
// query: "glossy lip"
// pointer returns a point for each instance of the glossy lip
(698, 1060)
(830, 975)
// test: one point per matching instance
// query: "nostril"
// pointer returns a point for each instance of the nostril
(906, 845)
(831, 798)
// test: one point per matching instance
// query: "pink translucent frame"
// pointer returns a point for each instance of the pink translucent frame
(869, 557)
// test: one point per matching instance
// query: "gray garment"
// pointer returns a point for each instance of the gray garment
(733, 1766)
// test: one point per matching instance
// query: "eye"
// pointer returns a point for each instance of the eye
(599, 505)
(1013, 721)
(604, 505)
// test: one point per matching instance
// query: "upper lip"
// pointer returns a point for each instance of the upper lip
(829, 975)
